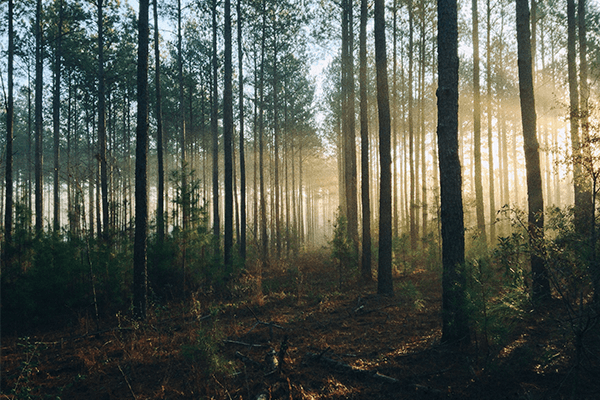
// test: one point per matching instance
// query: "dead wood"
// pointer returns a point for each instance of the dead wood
(363, 373)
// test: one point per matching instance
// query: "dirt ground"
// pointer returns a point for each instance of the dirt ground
(304, 337)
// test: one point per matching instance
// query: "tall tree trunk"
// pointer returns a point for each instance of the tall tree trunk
(276, 140)
(8, 207)
(185, 193)
(241, 118)
(411, 134)
(477, 126)
(215, 131)
(364, 146)
(578, 180)
(140, 274)
(394, 116)
(348, 125)
(263, 201)
(160, 206)
(584, 109)
(102, 123)
(491, 153)
(39, 129)
(56, 118)
(228, 138)
(384, 278)
(535, 201)
(455, 324)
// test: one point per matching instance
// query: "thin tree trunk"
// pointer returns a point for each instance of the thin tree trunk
(102, 123)
(160, 206)
(411, 134)
(8, 208)
(241, 118)
(491, 153)
(215, 132)
(228, 138)
(477, 125)
(276, 141)
(56, 119)
(263, 202)
(364, 146)
(39, 71)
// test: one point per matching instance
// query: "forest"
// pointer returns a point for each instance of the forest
(279, 199)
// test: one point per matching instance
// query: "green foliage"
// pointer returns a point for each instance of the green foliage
(343, 250)
(408, 293)
(204, 354)
(497, 289)
(23, 388)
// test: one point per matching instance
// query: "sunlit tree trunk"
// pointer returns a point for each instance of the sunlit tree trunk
(490, 137)
(39, 74)
(584, 109)
(411, 134)
(394, 117)
(263, 200)
(477, 124)
(56, 118)
(228, 138)
(422, 125)
(579, 190)
(102, 124)
(215, 131)
(535, 201)
(276, 187)
(455, 325)
(160, 206)
(241, 119)
(348, 123)
(364, 146)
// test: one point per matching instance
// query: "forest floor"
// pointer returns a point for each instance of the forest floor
(337, 343)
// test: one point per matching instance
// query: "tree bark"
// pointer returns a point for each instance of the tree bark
(8, 207)
(39, 76)
(102, 123)
(384, 279)
(348, 123)
(215, 132)
(56, 118)
(535, 201)
(491, 153)
(477, 125)
(411, 134)
(241, 118)
(160, 206)
(455, 326)
(140, 274)
(228, 138)
(263, 201)
(364, 147)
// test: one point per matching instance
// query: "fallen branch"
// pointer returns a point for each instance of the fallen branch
(247, 360)
(243, 343)
(363, 373)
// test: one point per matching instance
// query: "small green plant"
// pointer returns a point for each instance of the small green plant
(23, 388)
(204, 354)
(409, 294)
(343, 249)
